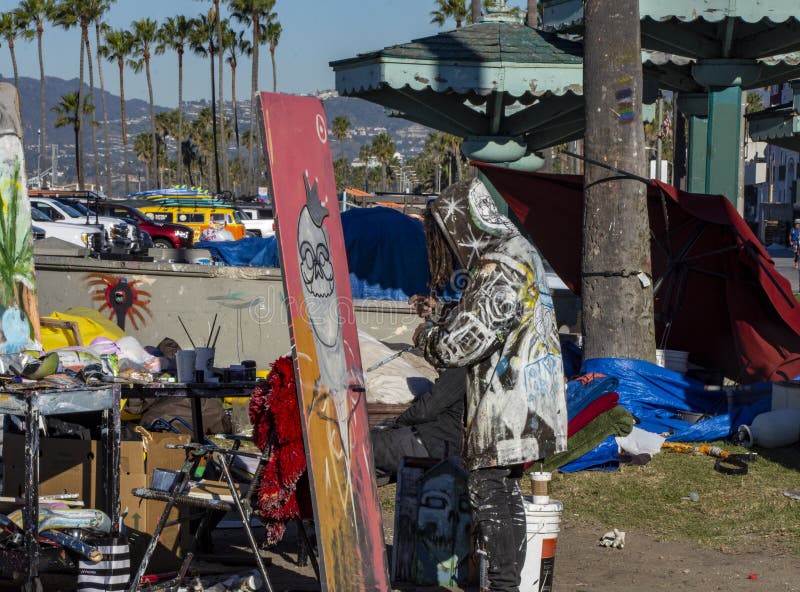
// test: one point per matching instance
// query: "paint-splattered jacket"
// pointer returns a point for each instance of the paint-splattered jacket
(504, 330)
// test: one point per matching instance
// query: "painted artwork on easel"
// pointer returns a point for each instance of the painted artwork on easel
(325, 345)
(19, 316)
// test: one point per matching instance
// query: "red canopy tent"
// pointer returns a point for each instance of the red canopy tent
(717, 292)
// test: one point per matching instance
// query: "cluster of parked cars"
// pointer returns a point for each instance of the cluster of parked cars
(169, 219)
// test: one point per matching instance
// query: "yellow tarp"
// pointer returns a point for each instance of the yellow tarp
(91, 325)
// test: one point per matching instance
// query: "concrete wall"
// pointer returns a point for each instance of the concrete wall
(248, 301)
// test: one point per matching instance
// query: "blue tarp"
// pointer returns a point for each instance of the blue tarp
(246, 252)
(386, 253)
(655, 395)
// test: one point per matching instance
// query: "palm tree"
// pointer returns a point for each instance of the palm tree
(12, 29)
(117, 48)
(455, 9)
(219, 26)
(235, 46)
(143, 148)
(383, 149)
(340, 127)
(274, 31)
(201, 40)
(145, 36)
(69, 114)
(256, 14)
(99, 9)
(34, 13)
(174, 35)
(82, 13)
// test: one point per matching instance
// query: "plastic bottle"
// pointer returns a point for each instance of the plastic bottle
(773, 429)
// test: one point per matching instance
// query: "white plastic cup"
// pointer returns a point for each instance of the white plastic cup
(204, 360)
(185, 361)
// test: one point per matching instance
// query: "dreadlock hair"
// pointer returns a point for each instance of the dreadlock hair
(440, 257)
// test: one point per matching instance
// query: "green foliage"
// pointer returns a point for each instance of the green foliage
(16, 242)
(447, 9)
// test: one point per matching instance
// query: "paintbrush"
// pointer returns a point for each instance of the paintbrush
(186, 331)
(211, 333)
(214, 344)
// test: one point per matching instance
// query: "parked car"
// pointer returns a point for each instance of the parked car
(257, 219)
(197, 217)
(131, 227)
(78, 234)
(62, 212)
(165, 235)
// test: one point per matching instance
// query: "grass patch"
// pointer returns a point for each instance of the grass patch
(735, 513)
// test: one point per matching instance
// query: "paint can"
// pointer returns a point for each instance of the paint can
(543, 523)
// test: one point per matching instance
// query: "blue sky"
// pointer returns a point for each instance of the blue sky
(314, 33)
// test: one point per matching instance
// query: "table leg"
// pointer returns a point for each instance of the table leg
(111, 461)
(197, 419)
(31, 512)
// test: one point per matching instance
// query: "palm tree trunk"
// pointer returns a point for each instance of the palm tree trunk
(78, 162)
(214, 125)
(16, 81)
(274, 71)
(91, 94)
(153, 145)
(79, 118)
(476, 10)
(180, 119)
(43, 137)
(532, 20)
(253, 118)
(220, 71)
(126, 164)
(106, 157)
(235, 112)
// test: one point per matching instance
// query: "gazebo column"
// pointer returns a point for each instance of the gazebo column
(724, 78)
(695, 107)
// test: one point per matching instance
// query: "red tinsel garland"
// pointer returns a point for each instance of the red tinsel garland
(275, 416)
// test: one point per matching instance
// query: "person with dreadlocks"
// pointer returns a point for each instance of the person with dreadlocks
(503, 330)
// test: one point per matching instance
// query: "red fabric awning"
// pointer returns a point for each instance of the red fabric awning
(718, 294)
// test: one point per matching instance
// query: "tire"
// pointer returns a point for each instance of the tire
(162, 243)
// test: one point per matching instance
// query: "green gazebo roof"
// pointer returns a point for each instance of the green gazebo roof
(702, 29)
(474, 61)
(778, 125)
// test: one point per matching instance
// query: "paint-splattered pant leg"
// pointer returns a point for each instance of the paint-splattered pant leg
(499, 516)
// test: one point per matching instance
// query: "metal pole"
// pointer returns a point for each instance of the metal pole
(660, 120)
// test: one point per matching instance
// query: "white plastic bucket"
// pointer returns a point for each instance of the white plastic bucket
(543, 526)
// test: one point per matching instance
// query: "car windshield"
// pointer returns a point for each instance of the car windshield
(39, 216)
(246, 215)
(76, 205)
(70, 211)
(237, 216)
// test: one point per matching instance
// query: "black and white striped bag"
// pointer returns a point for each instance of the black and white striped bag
(112, 573)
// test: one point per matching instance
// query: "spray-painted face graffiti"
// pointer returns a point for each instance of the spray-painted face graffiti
(319, 287)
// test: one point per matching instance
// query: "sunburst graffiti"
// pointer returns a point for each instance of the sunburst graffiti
(121, 298)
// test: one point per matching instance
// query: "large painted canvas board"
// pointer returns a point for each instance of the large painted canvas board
(19, 313)
(325, 344)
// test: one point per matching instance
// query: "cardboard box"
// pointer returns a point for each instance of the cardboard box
(71, 466)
